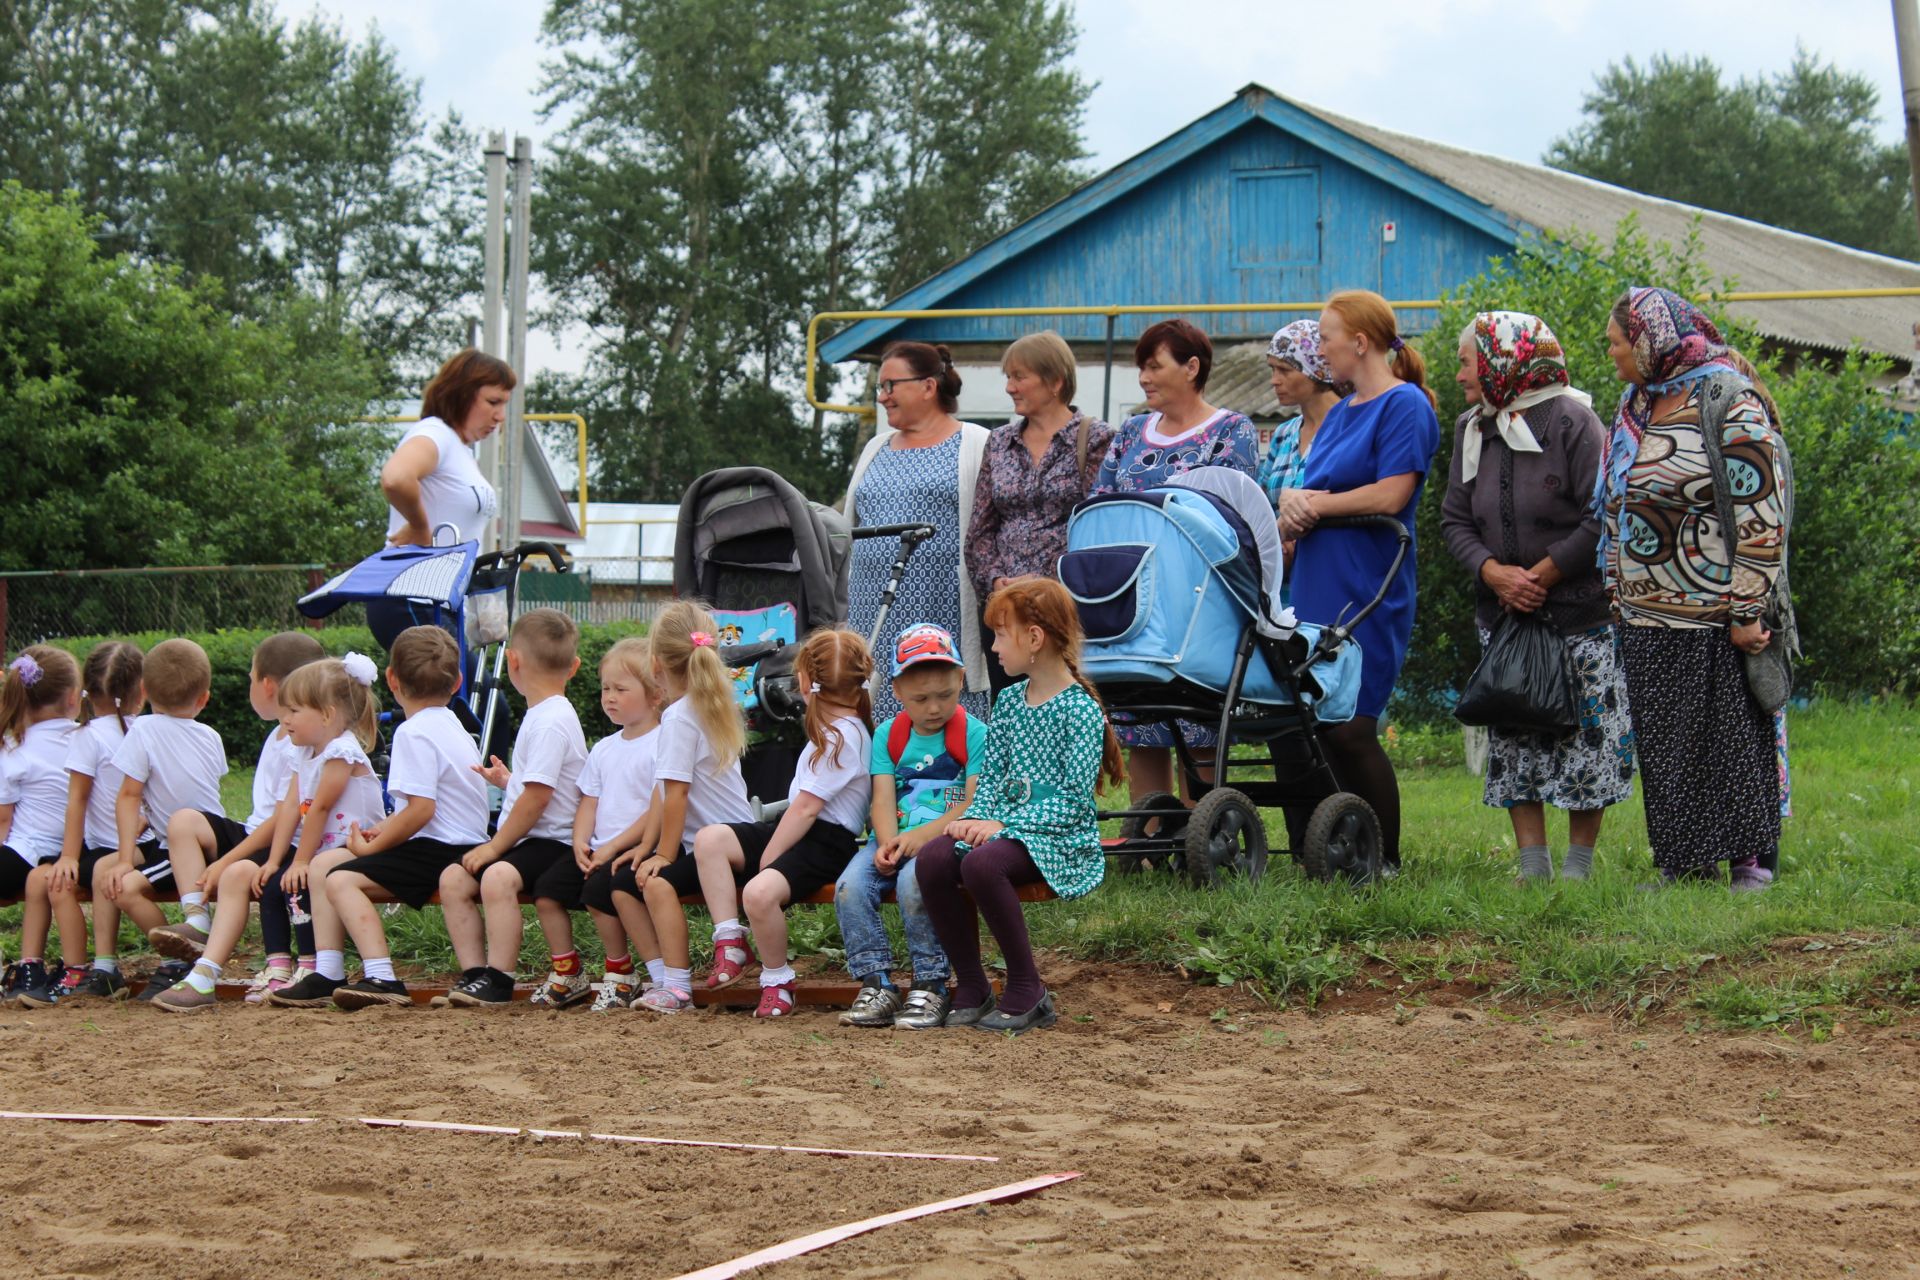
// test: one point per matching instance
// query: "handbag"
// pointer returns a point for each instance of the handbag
(1522, 683)
(1769, 672)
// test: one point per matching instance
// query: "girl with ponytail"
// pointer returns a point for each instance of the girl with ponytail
(39, 696)
(1032, 817)
(1370, 458)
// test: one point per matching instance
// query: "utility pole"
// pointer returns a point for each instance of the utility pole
(1906, 40)
(516, 428)
(492, 286)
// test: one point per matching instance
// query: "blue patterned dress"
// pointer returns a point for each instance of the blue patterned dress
(1136, 463)
(910, 486)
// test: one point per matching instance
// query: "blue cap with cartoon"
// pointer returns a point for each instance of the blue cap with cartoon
(925, 642)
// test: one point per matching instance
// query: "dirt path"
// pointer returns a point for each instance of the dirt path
(1437, 1142)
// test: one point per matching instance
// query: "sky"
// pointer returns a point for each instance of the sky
(1488, 75)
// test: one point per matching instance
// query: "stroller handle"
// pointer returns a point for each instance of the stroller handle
(1336, 635)
(909, 534)
(556, 556)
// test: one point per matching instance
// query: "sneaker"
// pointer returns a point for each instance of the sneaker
(925, 1007)
(180, 941)
(875, 1006)
(21, 978)
(1041, 1015)
(610, 993)
(169, 973)
(482, 989)
(183, 998)
(775, 1001)
(308, 990)
(371, 991)
(275, 977)
(563, 991)
(54, 989)
(663, 1000)
(99, 984)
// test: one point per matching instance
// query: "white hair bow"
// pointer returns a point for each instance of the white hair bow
(360, 667)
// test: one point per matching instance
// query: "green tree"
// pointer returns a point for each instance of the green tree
(1796, 150)
(1855, 543)
(144, 425)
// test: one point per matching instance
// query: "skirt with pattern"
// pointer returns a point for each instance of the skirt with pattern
(1589, 767)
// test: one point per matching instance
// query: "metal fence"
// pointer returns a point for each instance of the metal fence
(179, 601)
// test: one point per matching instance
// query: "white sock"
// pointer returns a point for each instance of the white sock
(194, 905)
(728, 929)
(776, 977)
(656, 971)
(204, 976)
(107, 964)
(680, 980)
(377, 968)
(330, 964)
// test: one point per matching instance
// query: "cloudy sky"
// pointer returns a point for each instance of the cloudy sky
(1484, 74)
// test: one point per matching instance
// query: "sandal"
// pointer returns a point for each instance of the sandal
(730, 960)
(775, 1002)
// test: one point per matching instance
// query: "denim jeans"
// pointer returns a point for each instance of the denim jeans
(856, 901)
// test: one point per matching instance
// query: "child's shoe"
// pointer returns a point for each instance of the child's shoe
(99, 984)
(482, 988)
(663, 1000)
(610, 993)
(730, 960)
(371, 991)
(563, 991)
(875, 1006)
(926, 1007)
(1751, 879)
(775, 1001)
(59, 986)
(183, 998)
(180, 941)
(275, 977)
(308, 990)
(23, 977)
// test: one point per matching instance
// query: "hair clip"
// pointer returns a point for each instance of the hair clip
(27, 669)
(814, 687)
(1396, 344)
(701, 640)
(361, 668)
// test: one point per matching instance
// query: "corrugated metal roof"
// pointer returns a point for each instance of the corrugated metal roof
(1751, 254)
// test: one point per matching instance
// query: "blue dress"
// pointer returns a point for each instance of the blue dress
(910, 486)
(1392, 434)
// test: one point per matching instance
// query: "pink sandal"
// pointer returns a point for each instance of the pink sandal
(775, 1002)
(730, 960)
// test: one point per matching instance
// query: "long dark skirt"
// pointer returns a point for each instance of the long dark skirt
(1708, 770)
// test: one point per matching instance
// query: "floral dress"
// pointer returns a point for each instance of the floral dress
(1038, 771)
(1020, 507)
(1139, 461)
(910, 486)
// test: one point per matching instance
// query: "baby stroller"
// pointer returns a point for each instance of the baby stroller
(773, 567)
(470, 594)
(1178, 589)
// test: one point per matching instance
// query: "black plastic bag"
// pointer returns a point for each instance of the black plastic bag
(1522, 683)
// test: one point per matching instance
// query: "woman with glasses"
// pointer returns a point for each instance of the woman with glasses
(922, 467)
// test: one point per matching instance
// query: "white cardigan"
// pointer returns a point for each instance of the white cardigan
(973, 450)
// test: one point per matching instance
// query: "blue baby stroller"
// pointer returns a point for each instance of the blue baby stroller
(1178, 589)
(457, 587)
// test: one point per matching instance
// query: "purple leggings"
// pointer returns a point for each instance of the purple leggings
(953, 885)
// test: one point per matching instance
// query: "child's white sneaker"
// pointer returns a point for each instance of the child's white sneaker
(610, 993)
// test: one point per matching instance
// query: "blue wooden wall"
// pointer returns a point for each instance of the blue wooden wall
(1257, 216)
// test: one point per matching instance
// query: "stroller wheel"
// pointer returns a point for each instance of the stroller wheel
(1342, 840)
(1159, 836)
(1225, 836)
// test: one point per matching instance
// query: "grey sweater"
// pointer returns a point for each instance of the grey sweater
(1525, 507)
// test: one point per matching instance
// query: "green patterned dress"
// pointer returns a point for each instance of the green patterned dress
(1037, 777)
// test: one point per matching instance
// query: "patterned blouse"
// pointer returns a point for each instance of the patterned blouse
(1037, 776)
(1137, 462)
(1669, 556)
(1285, 462)
(1020, 508)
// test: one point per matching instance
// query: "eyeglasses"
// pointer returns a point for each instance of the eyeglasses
(887, 386)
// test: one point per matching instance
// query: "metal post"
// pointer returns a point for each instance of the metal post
(1106, 387)
(1906, 40)
(516, 427)
(493, 282)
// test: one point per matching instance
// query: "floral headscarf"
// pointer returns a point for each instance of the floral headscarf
(1298, 343)
(1673, 344)
(1519, 364)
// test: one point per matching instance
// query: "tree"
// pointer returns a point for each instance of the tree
(1796, 150)
(144, 425)
(1855, 542)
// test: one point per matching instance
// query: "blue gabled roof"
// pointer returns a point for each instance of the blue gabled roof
(1253, 103)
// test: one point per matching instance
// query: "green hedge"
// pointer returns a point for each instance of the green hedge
(231, 653)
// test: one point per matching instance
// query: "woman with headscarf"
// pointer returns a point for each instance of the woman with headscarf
(1689, 594)
(1302, 382)
(1518, 514)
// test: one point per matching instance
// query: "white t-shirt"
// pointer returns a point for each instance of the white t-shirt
(180, 763)
(33, 779)
(714, 794)
(846, 787)
(90, 752)
(279, 758)
(433, 758)
(455, 492)
(619, 776)
(550, 748)
(360, 803)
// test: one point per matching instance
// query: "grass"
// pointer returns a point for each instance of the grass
(1840, 932)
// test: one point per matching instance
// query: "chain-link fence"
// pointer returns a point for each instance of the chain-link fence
(604, 588)
(180, 601)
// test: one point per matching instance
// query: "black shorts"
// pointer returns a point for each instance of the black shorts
(681, 873)
(226, 833)
(547, 870)
(410, 871)
(150, 855)
(814, 862)
(13, 874)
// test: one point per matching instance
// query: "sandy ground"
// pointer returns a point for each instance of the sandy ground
(1441, 1140)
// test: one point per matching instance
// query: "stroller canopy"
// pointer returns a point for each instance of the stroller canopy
(437, 575)
(747, 539)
